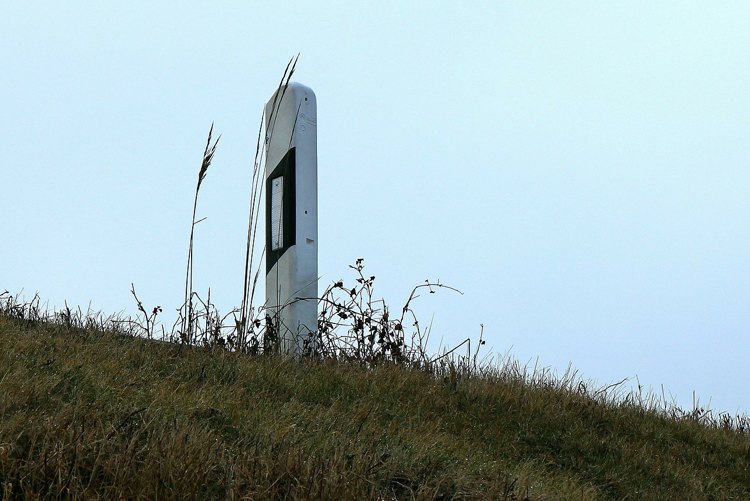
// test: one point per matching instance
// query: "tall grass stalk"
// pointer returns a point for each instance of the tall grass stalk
(246, 325)
(187, 327)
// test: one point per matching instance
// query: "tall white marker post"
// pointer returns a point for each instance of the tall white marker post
(292, 216)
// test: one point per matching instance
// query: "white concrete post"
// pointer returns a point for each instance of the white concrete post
(291, 176)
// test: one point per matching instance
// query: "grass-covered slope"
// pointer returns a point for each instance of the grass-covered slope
(86, 414)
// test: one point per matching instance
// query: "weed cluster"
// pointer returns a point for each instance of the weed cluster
(353, 325)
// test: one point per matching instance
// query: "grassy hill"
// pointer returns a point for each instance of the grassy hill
(86, 413)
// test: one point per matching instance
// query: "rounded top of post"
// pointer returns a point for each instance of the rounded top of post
(294, 91)
(298, 87)
(290, 112)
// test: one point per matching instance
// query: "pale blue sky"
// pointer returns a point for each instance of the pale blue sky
(579, 170)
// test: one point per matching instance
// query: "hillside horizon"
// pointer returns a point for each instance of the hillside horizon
(90, 412)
